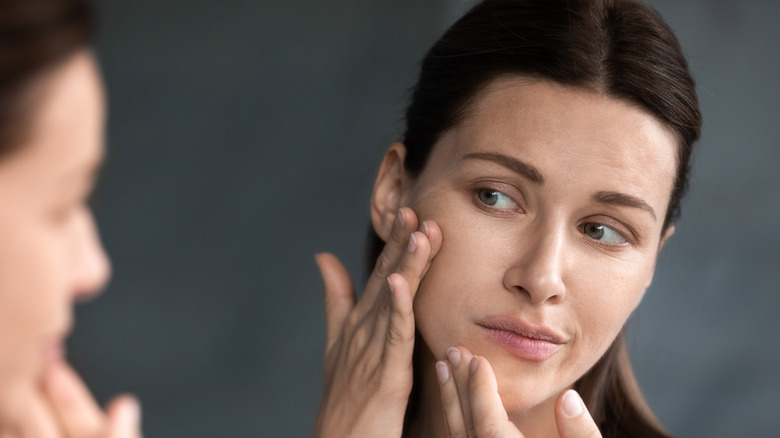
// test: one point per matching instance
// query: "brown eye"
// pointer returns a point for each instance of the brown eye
(603, 233)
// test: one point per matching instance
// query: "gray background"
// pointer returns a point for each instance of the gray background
(244, 137)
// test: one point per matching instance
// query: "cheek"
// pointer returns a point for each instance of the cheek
(462, 282)
(34, 304)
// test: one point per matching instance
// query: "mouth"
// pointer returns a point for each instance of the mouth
(522, 339)
(54, 349)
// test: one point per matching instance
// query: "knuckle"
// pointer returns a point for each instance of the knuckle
(397, 336)
(384, 266)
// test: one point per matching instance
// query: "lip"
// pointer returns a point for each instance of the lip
(54, 350)
(522, 339)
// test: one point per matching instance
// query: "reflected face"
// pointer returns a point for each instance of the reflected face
(50, 253)
(551, 202)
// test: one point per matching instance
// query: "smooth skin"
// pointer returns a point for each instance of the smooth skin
(51, 257)
(550, 202)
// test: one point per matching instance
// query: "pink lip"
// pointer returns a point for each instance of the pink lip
(522, 339)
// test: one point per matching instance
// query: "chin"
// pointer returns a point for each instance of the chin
(523, 387)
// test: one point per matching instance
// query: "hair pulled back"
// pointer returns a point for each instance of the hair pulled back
(35, 36)
(618, 48)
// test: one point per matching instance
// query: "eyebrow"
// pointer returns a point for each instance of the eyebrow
(524, 169)
(621, 199)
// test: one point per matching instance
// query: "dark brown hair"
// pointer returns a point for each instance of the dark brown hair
(35, 36)
(619, 48)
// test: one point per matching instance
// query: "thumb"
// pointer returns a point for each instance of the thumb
(124, 418)
(572, 417)
(339, 294)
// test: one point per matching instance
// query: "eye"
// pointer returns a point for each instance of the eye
(496, 199)
(603, 233)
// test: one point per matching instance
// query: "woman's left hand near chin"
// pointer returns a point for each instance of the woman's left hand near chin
(64, 408)
(473, 408)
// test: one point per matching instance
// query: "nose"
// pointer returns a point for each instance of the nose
(92, 268)
(536, 273)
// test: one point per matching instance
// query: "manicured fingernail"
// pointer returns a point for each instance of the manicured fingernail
(412, 243)
(442, 371)
(453, 355)
(425, 227)
(474, 364)
(572, 404)
(400, 217)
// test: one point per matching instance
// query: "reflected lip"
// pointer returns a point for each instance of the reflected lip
(521, 338)
(55, 348)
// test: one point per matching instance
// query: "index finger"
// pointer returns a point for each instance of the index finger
(405, 223)
(70, 400)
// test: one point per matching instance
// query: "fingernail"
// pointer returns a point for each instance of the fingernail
(442, 371)
(400, 217)
(453, 355)
(130, 414)
(572, 404)
(390, 285)
(425, 227)
(474, 364)
(412, 243)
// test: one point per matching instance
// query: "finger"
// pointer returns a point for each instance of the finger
(339, 295)
(488, 413)
(124, 418)
(415, 260)
(387, 262)
(572, 417)
(395, 320)
(398, 342)
(460, 359)
(433, 233)
(450, 401)
(71, 402)
(38, 422)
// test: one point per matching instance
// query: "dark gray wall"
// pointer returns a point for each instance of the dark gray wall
(244, 136)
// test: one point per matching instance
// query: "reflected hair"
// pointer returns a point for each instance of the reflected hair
(622, 49)
(35, 37)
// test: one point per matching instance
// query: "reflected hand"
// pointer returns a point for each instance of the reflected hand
(66, 409)
(368, 355)
(473, 408)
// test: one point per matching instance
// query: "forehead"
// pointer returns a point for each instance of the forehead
(67, 122)
(570, 134)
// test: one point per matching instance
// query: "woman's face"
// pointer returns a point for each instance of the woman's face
(551, 202)
(50, 253)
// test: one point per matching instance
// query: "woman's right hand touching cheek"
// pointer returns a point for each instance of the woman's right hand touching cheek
(368, 355)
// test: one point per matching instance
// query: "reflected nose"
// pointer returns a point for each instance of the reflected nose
(92, 268)
(537, 271)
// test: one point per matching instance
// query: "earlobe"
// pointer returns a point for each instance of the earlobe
(389, 190)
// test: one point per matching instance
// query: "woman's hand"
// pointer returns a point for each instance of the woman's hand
(473, 408)
(368, 355)
(64, 408)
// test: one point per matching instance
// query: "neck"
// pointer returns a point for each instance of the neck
(535, 422)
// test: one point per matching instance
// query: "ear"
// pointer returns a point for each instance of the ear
(667, 234)
(390, 190)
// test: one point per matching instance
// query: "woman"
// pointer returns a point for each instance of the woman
(545, 155)
(51, 147)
